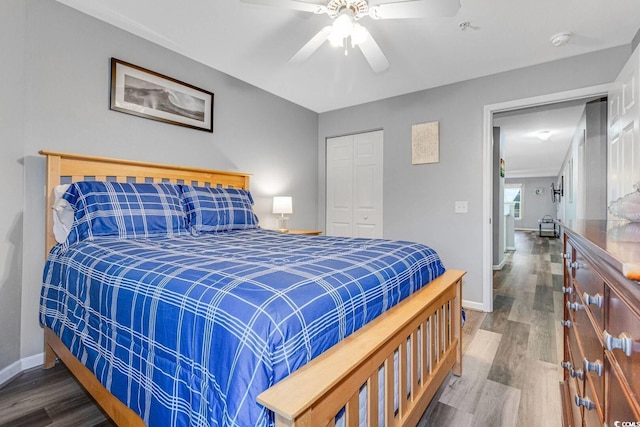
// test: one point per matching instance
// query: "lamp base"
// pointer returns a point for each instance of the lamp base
(281, 223)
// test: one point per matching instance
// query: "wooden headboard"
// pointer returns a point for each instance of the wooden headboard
(63, 168)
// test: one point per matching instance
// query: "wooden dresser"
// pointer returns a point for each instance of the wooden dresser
(601, 324)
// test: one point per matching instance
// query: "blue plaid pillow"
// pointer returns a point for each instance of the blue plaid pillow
(125, 210)
(218, 209)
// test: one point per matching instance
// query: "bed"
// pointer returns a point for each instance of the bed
(362, 356)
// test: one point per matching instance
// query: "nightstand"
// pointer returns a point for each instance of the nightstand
(306, 232)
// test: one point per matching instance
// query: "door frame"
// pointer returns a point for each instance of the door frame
(487, 167)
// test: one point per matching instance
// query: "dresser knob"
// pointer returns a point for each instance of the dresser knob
(596, 367)
(623, 342)
(577, 373)
(568, 290)
(586, 402)
(566, 323)
(595, 299)
(574, 306)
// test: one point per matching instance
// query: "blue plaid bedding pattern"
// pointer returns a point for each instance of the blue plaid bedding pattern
(189, 330)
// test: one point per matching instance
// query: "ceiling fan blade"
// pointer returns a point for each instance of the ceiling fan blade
(312, 45)
(373, 54)
(415, 9)
(290, 4)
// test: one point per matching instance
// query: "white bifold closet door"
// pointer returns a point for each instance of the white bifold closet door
(354, 185)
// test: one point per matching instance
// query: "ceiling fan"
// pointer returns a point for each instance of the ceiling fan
(346, 14)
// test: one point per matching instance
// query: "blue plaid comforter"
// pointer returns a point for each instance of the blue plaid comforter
(189, 330)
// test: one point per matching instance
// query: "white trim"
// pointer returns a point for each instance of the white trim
(10, 371)
(501, 265)
(472, 305)
(20, 365)
(487, 187)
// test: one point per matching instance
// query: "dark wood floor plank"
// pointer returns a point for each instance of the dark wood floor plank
(543, 299)
(501, 308)
(36, 418)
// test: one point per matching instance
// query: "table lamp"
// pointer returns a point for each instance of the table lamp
(282, 205)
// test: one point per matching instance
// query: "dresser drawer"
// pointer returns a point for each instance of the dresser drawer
(588, 354)
(623, 328)
(591, 287)
(592, 415)
(618, 406)
(591, 361)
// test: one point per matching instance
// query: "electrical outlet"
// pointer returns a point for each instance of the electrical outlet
(462, 206)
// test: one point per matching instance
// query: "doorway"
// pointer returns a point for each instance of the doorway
(488, 171)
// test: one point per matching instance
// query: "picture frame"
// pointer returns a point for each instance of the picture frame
(425, 143)
(145, 93)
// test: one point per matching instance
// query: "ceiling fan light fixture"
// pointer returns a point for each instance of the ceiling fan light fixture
(544, 135)
(359, 35)
(342, 26)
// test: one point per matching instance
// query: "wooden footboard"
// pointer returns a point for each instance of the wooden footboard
(423, 334)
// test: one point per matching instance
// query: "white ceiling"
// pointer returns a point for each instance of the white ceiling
(253, 43)
(524, 153)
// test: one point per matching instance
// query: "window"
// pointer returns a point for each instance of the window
(513, 194)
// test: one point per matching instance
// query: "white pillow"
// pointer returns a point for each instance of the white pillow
(62, 214)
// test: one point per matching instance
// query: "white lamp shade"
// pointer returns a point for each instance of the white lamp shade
(282, 205)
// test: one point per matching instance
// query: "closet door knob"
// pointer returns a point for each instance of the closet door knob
(623, 342)
(566, 323)
(568, 290)
(566, 255)
(574, 264)
(566, 365)
(596, 366)
(595, 299)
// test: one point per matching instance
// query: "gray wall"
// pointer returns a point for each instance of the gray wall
(534, 206)
(419, 200)
(595, 160)
(57, 98)
(590, 138)
(12, 31)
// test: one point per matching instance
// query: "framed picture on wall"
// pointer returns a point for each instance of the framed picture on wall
(144, 93)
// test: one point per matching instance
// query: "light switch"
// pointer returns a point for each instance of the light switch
(462, 206)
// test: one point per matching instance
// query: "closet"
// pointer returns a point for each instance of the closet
(354, 185)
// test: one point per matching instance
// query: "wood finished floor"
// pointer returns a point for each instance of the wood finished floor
(511, 363)
(510, 368)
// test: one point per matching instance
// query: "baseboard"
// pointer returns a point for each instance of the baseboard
(501, 265)
(472, 305)
(20, 365)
